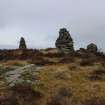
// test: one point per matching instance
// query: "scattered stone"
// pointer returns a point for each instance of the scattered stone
(22, 43)
(64, 43)
(92, 48)
(83, 53)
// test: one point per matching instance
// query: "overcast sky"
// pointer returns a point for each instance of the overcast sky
(39, 21)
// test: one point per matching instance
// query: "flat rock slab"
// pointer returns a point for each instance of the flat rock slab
(26, 74)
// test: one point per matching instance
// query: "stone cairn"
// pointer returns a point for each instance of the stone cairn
(92, 48)
(64, 42)
(22, 44)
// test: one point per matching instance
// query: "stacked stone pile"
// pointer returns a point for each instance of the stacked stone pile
(22, 44)
(64, 42)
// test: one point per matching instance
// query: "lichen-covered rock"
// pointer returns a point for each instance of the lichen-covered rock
(92, 48)
(23, 75)
(64, 43)
(22, 44)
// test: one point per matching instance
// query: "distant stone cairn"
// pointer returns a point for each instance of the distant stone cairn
(22, 44)
(92, 48)
(64, 42)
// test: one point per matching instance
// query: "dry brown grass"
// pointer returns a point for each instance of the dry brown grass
(87, 62)
(56, 76)
(15, 63)
(67, 60)
(94, 101)
(62, 97)
(41, 61)
(98, 74)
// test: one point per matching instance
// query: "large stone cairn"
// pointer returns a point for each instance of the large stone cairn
(92, 48)
(64, 43)
(22, 44)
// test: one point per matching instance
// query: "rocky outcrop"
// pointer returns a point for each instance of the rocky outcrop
(92, 48)
(22, 44)
(64, 43)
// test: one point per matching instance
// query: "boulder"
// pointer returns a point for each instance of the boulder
(64, 42)
(92, 48)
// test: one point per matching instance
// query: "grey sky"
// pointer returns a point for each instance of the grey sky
(40, 20)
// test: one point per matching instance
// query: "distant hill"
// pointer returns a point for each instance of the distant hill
(8, 47)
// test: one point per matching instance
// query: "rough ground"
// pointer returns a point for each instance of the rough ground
(53, 80)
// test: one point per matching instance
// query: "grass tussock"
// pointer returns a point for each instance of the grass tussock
(87, 62)
(15, 63)
(61, 98)
(41, 61)
(52, 55)
(67, 60)
(98, 74)
(94, 101)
